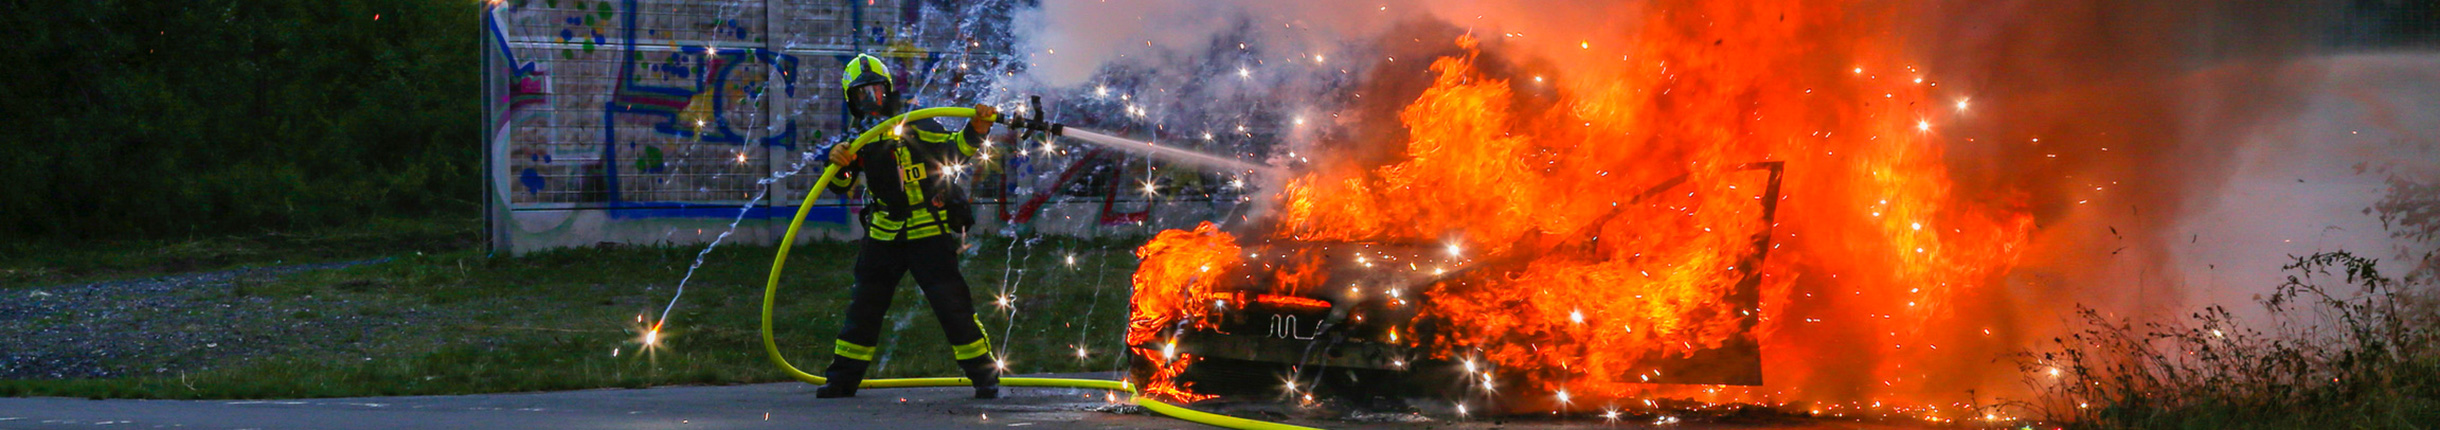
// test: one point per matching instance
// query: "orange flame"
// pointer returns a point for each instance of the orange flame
(1178, 268)
(1879, 251)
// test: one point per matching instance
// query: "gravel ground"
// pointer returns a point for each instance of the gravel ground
(175, 324)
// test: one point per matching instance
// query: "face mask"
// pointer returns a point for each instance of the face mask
(870, 100)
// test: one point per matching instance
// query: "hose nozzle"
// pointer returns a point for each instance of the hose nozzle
(1034, 124)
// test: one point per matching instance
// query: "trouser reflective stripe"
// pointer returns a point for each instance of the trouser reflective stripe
(847, 349)
(979, 347)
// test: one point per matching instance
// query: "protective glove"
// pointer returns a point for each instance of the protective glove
(842, 154)
(983, 115)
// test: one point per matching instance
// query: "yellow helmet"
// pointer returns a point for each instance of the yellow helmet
(864, 70)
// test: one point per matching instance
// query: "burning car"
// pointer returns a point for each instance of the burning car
(1263, 311)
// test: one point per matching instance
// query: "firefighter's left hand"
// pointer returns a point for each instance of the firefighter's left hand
(983, 116)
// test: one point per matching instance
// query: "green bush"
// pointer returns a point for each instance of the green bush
(150, 118)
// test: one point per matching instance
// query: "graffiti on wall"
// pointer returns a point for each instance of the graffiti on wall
(675, 109)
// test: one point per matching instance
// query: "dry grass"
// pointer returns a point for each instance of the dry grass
(2345, 347)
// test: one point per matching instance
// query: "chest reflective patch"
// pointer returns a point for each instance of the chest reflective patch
(911, 172)
(910, 175)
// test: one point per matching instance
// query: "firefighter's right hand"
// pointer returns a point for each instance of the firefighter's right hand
(842, 154)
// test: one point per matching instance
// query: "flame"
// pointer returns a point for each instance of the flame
(1179, 269)
(1875, 249)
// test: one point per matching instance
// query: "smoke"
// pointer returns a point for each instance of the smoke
(2152, 143)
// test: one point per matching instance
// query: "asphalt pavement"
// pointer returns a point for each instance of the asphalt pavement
(759, 406)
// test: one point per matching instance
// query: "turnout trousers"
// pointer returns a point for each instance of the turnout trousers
(933, 262)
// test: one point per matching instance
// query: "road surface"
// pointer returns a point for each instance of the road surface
(759, 406)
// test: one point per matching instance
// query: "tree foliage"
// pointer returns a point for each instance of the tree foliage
(128, 118)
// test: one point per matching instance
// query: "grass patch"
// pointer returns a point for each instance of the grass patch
(569, 319)
(42, 263)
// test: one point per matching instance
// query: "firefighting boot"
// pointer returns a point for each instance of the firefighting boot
(985, 372)
(844, 374)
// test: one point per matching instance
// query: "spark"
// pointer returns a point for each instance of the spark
(1080, 353)
(652, 337)
(1207, 135)
(1005, 301)
(1071, 260)
(1169, 351)
(1859, 70)
(1101, 91)
(1563, 397)
(1961, 104)
(1537, 78)
(1609, 414)
(1585, 44)
(1455, 251)
(1317, 58)
(1244, 73)
(1576, 315)
(741, 157)
(1923, 126)
(1461, 409)
(1299, 121)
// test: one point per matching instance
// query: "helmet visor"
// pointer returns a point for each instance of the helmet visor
(868, 99)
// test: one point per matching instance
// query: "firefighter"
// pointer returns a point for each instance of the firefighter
(913, 222)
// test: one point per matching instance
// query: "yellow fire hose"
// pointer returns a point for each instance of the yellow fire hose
(771, 291)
